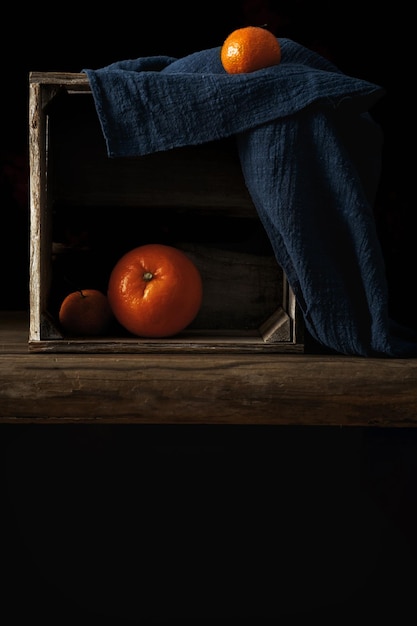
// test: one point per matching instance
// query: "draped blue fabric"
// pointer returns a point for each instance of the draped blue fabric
(310, 154)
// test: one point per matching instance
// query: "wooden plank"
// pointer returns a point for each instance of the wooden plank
(37, 193)
(73, 82)
(279, 389)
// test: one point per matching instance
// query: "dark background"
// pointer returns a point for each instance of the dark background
(120, 525)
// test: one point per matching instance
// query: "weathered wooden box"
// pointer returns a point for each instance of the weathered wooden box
(87, 210)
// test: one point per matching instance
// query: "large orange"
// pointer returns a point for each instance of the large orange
(155, 290)
(249, 49)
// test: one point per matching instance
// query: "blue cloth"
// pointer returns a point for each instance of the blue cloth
(310, 154)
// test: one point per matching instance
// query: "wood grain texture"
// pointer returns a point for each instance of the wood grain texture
(281, 389)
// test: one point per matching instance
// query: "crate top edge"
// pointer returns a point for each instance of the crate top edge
(65, 79)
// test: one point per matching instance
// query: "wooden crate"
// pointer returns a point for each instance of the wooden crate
(87, 210)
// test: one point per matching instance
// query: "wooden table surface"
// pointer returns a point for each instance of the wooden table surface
(283, 389)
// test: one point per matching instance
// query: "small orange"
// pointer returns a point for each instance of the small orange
(155, 290)
(249, 49)
(85, 312)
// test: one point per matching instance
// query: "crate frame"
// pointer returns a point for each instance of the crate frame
(281, 332)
